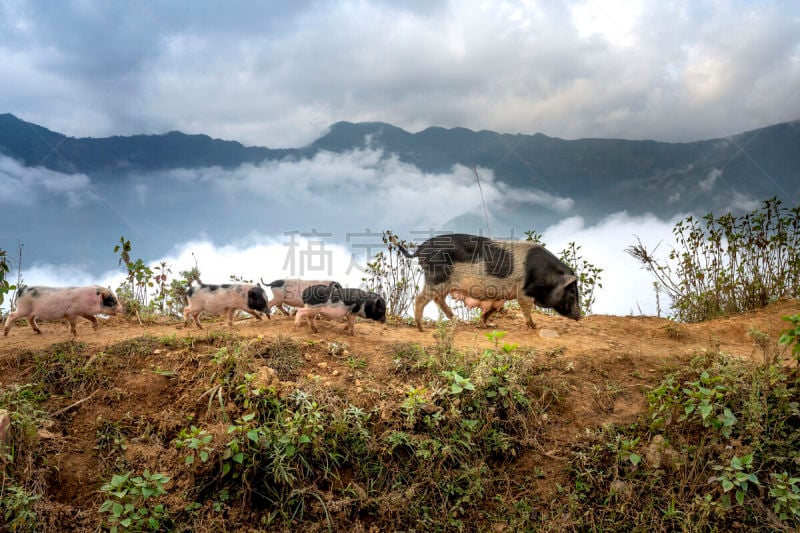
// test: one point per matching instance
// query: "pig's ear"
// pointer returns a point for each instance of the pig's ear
(568, 280)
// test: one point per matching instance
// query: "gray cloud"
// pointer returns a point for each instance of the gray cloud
(278, 74)
(381, 191)
(23, 185)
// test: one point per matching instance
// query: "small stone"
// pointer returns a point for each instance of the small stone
(620, 487)
(335, 373)
(323, 364)
(45, 435)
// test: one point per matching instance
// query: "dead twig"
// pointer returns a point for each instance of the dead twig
(67, 408)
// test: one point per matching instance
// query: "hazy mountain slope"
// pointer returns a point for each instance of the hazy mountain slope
(601, 175)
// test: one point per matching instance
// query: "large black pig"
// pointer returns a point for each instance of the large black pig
(486, 269)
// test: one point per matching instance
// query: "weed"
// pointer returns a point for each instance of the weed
(792, 335)
(17, 509)
(393, 275)
(356, 362)
(63, 369)
(409, 357)
(676, 331)
(284, 355)
(5, 286)
(736, 475)
(728, 264)
(129, 502)
(785, 491)
(196, 441)
(734, 434)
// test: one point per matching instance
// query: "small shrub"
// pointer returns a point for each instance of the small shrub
(393, 275)
(284, 354)
(130, 502)
(736, 475)
(5, 286)
(726, 265)
(17, 509)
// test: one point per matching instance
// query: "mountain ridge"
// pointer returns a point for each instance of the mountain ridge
(617, 173)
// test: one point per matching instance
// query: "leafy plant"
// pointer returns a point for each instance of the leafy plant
(627, 453)
(393, 275)
(16, 508)
(5, 285)
(792, 335)
(736, 475)
(196, 441)
(727, 264)
(134, 291)
(458, 383)
(785, 492)
(705, 397)
(129, 504)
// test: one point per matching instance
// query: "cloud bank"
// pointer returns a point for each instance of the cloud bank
(627, 289)
(27, 186)
(374, 189)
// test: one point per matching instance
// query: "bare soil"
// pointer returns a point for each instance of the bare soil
(607, 362)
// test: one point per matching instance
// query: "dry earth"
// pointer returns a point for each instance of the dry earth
(607, 363)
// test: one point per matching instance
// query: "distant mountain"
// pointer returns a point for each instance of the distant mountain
(601, 175)
(38, 146)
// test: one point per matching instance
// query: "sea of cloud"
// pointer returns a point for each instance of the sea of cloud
(310, 220)
(626, 288)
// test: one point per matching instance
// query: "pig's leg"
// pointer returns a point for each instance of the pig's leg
(196, 317)
(72, 319)
(526, 306)
(312, 321)
(426, 295)
(10, 322)
(485, 314)
(229, 315)
(278, 304)
(440, 301)
(254, 313)
(302, 313)
(91, 319)
(33, 324)
(351, 322)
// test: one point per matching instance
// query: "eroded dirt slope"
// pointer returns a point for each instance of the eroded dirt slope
(606, 363)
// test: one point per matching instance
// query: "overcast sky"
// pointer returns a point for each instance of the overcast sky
(279, 73)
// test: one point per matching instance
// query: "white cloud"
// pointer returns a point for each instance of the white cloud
(23, 185)
(627, 288)
(708, 183)
(376, 191)
(742, 202)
